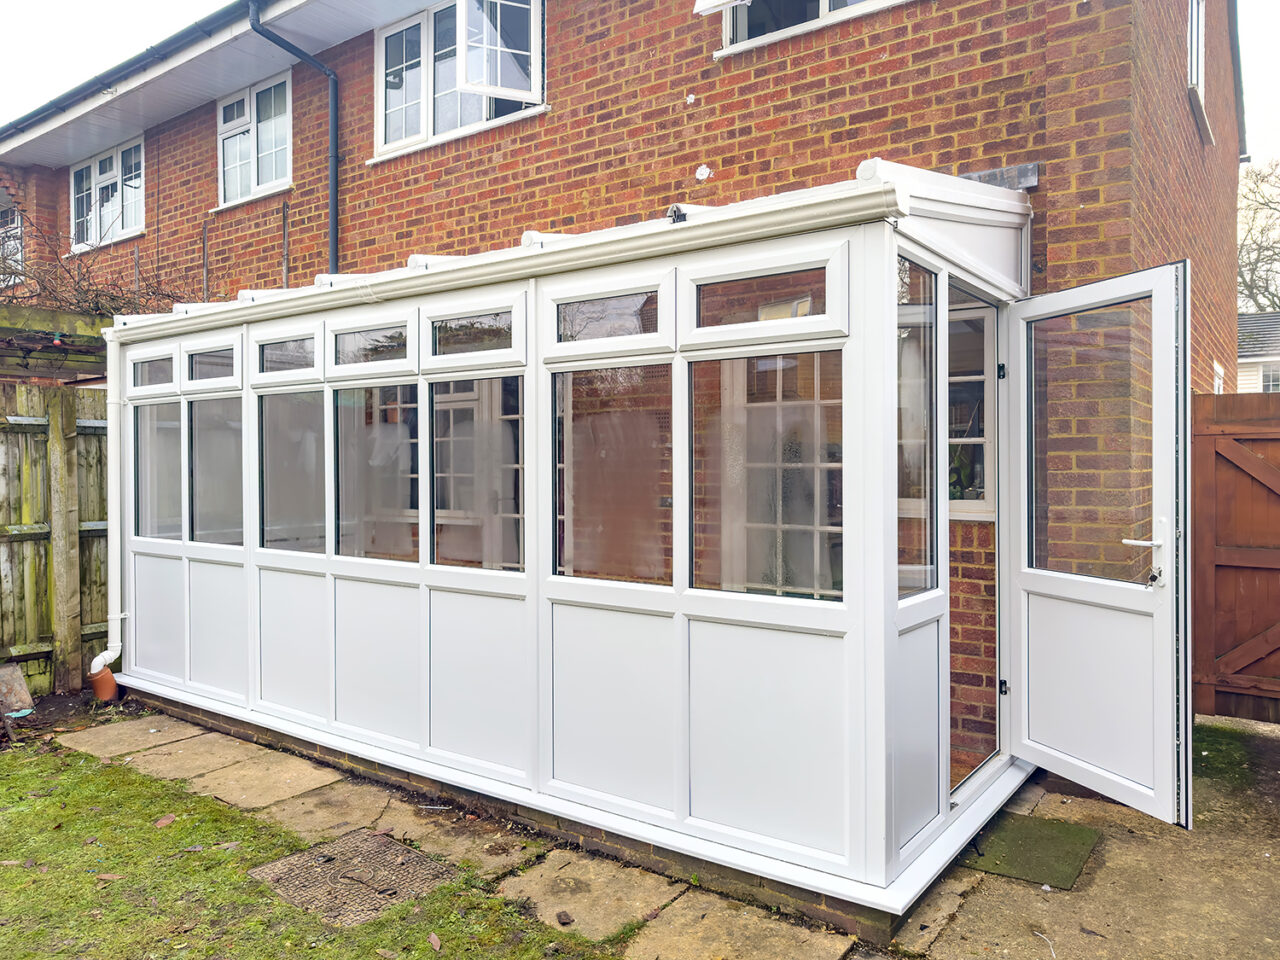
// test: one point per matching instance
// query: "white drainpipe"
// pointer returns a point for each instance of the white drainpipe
(114, 507)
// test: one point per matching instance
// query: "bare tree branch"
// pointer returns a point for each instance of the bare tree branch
(1258, 285)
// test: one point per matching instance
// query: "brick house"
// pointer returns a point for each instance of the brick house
(208, 160)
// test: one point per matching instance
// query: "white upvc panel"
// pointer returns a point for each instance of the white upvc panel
(914, 700)
(159, 621)
(219, 628)
(295, 650)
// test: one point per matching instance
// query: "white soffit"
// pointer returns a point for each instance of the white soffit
(230, 59)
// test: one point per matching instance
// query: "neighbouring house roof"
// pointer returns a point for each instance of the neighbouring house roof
(1258, 335)
(218, 55)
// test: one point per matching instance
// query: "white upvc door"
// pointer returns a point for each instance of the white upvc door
(1097, 541)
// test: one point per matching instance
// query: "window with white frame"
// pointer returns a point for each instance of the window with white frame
(970, 352)
(1196, 66)
(1219, 377)
(107, 197)
(746, 21)
(255, 134)
(456, 66)
(1271, 378)
(10, 245)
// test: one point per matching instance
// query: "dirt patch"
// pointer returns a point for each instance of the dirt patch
(65, 712)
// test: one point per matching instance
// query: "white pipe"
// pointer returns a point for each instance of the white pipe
(114, 506)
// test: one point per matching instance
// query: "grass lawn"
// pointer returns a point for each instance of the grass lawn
(67, 819)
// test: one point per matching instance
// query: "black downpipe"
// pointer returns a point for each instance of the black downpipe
(307, 58)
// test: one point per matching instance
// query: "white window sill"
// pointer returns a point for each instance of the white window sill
(268, 191)
(1201, 115)
(971, 510)
(425, 143)
(839, 16)
(79, 248)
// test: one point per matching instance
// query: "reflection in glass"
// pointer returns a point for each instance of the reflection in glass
(613, 473)
(297, 354)
(801, 293)
(217, 494)
(376, 438)
(767, 475)
(491, 331)
(153, 373)
(158, 470)
(917, 485)
(211, 364)
(477, 473)
(292, 452)
(368, 346)
(1091, 444)
(622, 316)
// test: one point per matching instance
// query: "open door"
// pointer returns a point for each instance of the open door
(1095, 590)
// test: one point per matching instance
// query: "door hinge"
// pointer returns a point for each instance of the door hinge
(1001, 372)
(1004, 688)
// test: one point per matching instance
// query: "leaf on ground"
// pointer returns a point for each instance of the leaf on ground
(58, 826)
(652, 914)
(229, 845)
(435, 942)
(167, 819)
(110, 876)
(89, 840)
(194, 848)
(385, 953)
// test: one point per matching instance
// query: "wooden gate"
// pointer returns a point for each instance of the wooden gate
(1236, 555)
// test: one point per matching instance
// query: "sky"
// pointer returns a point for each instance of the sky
(75, 36)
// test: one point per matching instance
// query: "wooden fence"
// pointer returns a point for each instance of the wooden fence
(53, 548)
(1236, 551)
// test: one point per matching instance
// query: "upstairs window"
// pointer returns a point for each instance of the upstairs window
(759, 22)
(107, 197)
(255, 134)
(10, 246)
(457, 66)
(1196, 67)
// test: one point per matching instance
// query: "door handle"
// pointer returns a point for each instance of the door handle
(1143, 543)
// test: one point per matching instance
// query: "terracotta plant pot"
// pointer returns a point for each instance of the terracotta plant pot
(104, 685)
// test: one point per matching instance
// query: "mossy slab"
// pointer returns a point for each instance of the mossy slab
(1032, 848)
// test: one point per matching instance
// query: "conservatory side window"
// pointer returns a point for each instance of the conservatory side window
(158, 470)
(291, 447)
(917, 470)
(217, 491)
(376, 436)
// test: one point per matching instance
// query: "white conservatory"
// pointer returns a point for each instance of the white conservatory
(648, 527)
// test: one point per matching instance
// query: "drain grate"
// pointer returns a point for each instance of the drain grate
(351, 880)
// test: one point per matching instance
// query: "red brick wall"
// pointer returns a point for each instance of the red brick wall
(973, 646)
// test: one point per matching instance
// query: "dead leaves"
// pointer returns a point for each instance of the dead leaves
(164, 821)
(435, 942)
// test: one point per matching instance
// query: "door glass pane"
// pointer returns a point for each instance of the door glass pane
(217, 496)
(613, 472)
(377, 443)
(767, 480)
(801, 293)
(917, 378)
(621, 316)
(158, 471)
(1090, 442)
(292, 450)
(491, 331)
(477, 473)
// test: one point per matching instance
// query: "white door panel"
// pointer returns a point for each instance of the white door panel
(1096, 605)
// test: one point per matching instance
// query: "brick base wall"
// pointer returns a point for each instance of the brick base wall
(866, 923)
(974, 667)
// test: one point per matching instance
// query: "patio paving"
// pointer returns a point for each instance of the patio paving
(264, 779)
(193, 756)
(330, 811)
(129, 736)
(489, 845)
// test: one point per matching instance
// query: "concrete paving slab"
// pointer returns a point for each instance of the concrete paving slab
(330, 811)
(934, 910)
(1026, 799)
(488, 844)
(184, 759)
(599, 895)
(130, 736)
(702, 926)
(264, 779)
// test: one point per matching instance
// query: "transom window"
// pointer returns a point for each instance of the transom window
(255, 132)
(107, 199)
(427, 90)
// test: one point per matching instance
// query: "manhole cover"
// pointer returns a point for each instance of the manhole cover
(354, 878)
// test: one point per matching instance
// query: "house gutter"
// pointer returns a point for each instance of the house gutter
(1233, 36)
(255, 24)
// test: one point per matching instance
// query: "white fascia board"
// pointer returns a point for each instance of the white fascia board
(945, 190)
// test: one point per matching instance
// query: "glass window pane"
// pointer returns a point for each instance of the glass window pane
(158, 471)
(477, 472)
(492, 331)
(292, 451)
(377, 443)
(613, 505)
(153, 373)
(622, 316)
(211, 363)
(767, 480)
(367, 346)
(108, 211)
(967, 471)
(297, 354)
(966, 408)
(217, 496)
(966, 348)
(232, 112)
(1091, 442)
(801, 293)
(82, 201)
(917, 484)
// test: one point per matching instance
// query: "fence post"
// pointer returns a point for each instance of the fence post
(64, 540)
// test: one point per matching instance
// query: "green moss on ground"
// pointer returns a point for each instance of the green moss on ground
(1221, 754)
(66, 818)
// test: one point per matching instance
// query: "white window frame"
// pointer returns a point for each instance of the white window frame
(825, 18)
(511, 297)
(1196, 67)
(167, 350)
(96, 181)
(208, 343)
(357, 319)
(1219, 378)
(1271, 370)
(830, 251)
(534, 99)
(278, 331)
(603, 283)
(12, 235)
(249, 122)
(984, 509)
